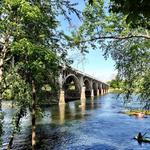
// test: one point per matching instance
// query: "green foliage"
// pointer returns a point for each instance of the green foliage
(19, 89)
(116, 83)
(7, 94)
(137, 11)
(36, 63)
(33, 46)
(115, 30)
(132, 61)
(145, 89)
(33, 40)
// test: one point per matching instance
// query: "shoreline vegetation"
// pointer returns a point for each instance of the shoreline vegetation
(141, 113)
(116, 90)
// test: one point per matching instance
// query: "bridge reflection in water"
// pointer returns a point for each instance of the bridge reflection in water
(98, 125)
(73, 110)
(55, 115)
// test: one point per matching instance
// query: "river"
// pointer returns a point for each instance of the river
(95, 125)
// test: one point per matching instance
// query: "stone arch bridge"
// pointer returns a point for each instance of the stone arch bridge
(75, 84)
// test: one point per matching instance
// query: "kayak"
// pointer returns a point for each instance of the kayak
(144, 139)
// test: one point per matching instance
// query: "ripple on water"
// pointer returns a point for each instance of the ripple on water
(97, 126)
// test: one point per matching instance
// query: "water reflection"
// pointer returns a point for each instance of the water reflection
(89, 124)
(92, 103)
(83, 107)
(62, 113)
(72, 107)
(71, 111)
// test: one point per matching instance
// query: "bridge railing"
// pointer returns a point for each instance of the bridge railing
(83, 73)
(87, 75)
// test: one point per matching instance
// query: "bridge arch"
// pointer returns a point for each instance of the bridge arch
(71, 87)
(94, 86)
(88, 88)
(99, 88)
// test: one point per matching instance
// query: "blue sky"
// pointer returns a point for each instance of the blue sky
(92, 63)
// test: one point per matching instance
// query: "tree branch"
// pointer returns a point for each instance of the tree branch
(115, 38)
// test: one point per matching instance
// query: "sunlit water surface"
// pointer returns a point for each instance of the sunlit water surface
(96, 125)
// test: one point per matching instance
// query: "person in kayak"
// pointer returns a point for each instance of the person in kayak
(140, 137)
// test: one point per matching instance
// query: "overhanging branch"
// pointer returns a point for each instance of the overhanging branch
(115, 38)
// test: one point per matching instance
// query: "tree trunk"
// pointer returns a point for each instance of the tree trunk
(33, 116)
(1, 125)
(1, 73)
(2, 56)
(16, 126)
(3, 51)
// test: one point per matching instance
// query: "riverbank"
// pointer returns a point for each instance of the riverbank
(136, 112)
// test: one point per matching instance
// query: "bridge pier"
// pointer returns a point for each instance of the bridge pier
(92, 93)
(97, 92)
(102, 91)
(62, 113)
(62, 97)
(105, 91)
(82, 97)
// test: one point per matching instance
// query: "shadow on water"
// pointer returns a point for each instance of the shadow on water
(94, 124)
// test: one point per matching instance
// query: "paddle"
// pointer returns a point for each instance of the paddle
(144, 134)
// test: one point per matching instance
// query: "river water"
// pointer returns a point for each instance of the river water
(97, 124)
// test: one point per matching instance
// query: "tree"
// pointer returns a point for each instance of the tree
(116, 83)
(32, 46)
(109, 28)
(27, 32)
(137, 12)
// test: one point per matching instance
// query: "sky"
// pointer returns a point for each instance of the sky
(93, 63)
